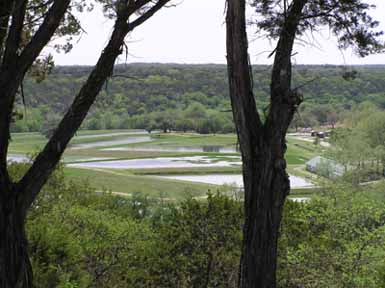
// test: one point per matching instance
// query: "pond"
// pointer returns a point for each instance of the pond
(232, 179)
(122, 141)
(78, 159)
(96, 135)
(160, 148)
(300, 199)
(17, 158)
(166, 162)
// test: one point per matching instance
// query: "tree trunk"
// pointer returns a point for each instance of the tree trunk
(266, 187)
(15, 268)
(16, 198)
(262, 145)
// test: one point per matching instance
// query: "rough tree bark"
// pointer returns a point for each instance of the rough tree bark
(17, 197)
(262, 145)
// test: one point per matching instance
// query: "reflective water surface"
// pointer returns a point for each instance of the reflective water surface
(233, 179)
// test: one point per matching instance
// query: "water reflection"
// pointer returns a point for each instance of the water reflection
(160, 148)
(166, 162)
(233, 179)
(128, 140)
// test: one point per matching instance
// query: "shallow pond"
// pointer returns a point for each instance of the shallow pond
(167, 162)
(17, 158)
(96, 135)
(122, 141)
(300, 199)
(160, 148)
(78, 159)
(232, 179)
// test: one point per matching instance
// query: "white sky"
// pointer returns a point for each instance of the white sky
(194, 32)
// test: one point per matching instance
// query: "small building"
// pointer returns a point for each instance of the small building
(320, 134)
(325, 167)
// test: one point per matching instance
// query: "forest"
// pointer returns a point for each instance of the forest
(177, 175)
(79, 238)
(191, 97)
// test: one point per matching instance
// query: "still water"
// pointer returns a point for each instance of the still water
(160, 148)
(166, 162)
(232, 179)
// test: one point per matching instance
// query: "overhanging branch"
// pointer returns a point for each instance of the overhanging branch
(44, 34)
(47, 160)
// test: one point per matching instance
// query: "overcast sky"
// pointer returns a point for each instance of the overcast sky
(194, 32)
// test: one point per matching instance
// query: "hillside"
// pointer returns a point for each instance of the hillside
(139, 91)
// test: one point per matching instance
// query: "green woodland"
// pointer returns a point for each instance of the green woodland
(164, 233)
(153, 179)
(125, 228)
(191, 97)
(80, 238)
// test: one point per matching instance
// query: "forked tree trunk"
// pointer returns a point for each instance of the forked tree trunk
(15, 268)
(262, 145)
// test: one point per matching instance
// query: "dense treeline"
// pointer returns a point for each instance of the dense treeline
(190, 97)
(80, 238)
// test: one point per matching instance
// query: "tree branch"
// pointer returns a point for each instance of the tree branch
(14, 34)
(47, 160)
(149, 13)
(243, 103)
(14, 67)
(44, 34)
(284, 101)
(5, 13)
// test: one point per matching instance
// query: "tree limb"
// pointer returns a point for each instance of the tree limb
(14, 34)
(240, 79)
(44, 34)
(47, 160)
(149, 13)
(284, 101)
(5, 13)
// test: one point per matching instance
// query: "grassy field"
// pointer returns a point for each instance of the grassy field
(145, 180)
(124, 182)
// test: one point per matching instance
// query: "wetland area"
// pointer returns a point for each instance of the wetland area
(176, 165)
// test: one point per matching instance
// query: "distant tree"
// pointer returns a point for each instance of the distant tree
(373, 130)
(26, 28)
(150, 125)
(184, 124)
(49, 125)
(263, 144)
(216, 122)
(308, 119)
(203, 126)
(297, 122)
(164, 121)
(195, 111)
(332, 117)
